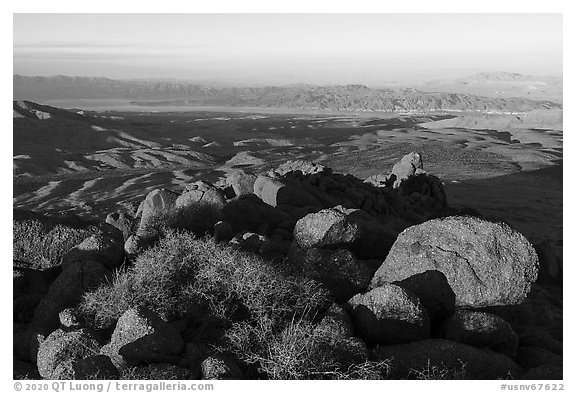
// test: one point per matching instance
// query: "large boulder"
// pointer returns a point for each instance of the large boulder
(443, 359)
(201, 194)
(95, 367)
(158, 202)
(338, 270)
(482, 330)
(486, 263)
(61, 346)
(105, 250)
(531, 357)
(141, 337)
(122, 222)
(336, 322)
(388, 315)
(339, 227)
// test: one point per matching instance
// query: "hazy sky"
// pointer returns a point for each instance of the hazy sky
(317, 48)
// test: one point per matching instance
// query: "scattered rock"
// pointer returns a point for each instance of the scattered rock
(443, 359)
(485, 263)
(388, 315)
(482, 330)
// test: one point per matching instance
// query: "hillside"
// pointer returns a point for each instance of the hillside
(334, 98)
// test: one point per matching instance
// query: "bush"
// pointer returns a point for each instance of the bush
(198, 219)
(188, 275)
(300, 351)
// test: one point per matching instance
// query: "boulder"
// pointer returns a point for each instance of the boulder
(551, 267)
(158, 202)
(482, 330)
(274, 192)
(223, 231)
(61, 346)
(552, 373)
(336, 322)
(201, 194)
(531, 357)
(388, 315)
(69, 319)
(306, 168)
(105, 250)
(249, 213)
(433, 290)
(140, 337)
(122, 222)
(24, 370)
(537, 337)
(486, 263)
(220, 367)
(338, 270)
(443, 359)
(65, 292)
(406, 167)
(339, 227)
(241, 182)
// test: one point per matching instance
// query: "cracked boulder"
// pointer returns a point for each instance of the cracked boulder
(485, 263)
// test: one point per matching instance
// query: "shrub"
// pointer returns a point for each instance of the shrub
(198, 219)
(188, 275)
(300, 351)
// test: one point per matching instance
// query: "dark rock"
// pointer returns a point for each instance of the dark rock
(485, 263)
(274, 192)
(95, 367)
(434, 292)
(443, 359)
(348, 228)
(552, 373)
(24, 370)
(65, 292)
(220, 367)
(530, 357)
(249, 213)
(160, 371)
(61, 346)
(140, 337)
(338, 270)
(388, 315)
(534, 337)
(551, 267)
(122, 222)
(336, 322)
(223, 231)
(482, 330)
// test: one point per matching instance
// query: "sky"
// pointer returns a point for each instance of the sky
(286, 48)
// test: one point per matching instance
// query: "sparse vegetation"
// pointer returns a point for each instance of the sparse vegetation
(433, 372)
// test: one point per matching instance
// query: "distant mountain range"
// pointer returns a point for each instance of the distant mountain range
(336, 98)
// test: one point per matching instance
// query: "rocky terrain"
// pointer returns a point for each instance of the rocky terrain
(249, 245)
